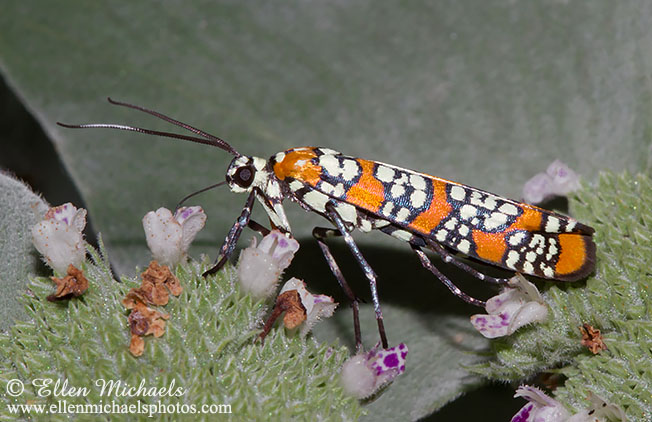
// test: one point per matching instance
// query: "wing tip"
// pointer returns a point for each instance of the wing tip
(588, 265)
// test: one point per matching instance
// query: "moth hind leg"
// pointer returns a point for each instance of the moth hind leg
(321, 234)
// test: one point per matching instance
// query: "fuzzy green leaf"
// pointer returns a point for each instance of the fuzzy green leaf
(208, 349)
(20, 209)
(617, 300)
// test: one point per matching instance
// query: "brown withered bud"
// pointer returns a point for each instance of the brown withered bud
(592, 339)
(290, 303)
(144, 321)
(72, 285)
(156, 281)
(161, 275)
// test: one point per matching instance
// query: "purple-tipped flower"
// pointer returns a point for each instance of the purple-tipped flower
(558, 179)
(316, 306)
(365, 373)
(59, 237)
(543, 408)
(540, 407)
(261, 265)
(519, 304)
(169, 236)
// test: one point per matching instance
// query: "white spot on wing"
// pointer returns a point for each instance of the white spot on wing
(417, 182)
(347, 212)
(468, 211)
(496, 219)
(528, 268)
(441, 235)
(327, 188)
(552, 224)
(464, 246)
(365, 225)
(316, 200)
(475, 198)
(418, 198)
(516, 239)
(402, 215)
(490, 202)
(339, 190)
(537, 239)
(328, 151)
(295, 185)
(512, 259)
(349, 169)
(571, 225)
(397, 190)
(384, 173)
(387, 209)
(331, 165)
(458, 193)
(402, 234)
(451, 224)
(509, 209)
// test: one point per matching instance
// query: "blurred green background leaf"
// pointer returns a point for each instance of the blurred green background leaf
(484, 93)
(20, 210)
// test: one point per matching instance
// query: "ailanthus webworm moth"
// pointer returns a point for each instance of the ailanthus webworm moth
(425, 211)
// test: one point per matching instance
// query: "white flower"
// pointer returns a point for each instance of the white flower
(519, 304)
(542, 408)
(364, 374)
(316, 306)
(600, 411)
(260, 266)
(169, 236)
(558, 179)
(59, 237)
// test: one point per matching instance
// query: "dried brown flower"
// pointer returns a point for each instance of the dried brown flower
(153, 290)
(592, 339)
(156, 281)
(290, 303)
(72, 285)
(144, 321)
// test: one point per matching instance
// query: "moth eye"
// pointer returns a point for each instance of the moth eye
(244, 176)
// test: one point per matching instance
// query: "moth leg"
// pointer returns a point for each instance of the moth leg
(232, 238)
(366, 268)
(257, 227)
(425, 261)
(321, 234)
(449, 258)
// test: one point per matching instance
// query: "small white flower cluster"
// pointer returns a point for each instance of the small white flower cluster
(58, 237)
(366, 373)
(519, 304)
(169, 236)
(261, 265)
(316, 306)
(543, 408)
(557, 180)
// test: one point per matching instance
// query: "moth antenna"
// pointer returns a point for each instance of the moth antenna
(205, 138)
(187, 197)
